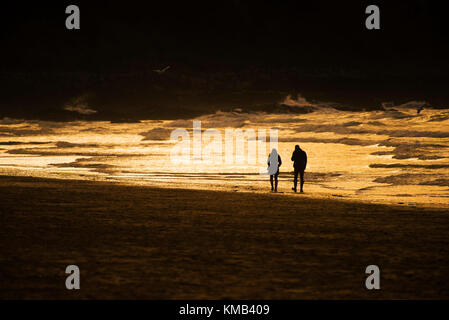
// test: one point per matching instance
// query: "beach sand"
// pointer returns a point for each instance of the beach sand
(149, 243)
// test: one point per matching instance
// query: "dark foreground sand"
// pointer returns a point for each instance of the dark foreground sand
(139, 242)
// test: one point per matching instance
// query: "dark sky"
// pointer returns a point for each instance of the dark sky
(308, 39)
(291, 32)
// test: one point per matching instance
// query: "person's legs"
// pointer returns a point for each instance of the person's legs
(301, 173)
(276, 182)
(295, 180)
(271, 182)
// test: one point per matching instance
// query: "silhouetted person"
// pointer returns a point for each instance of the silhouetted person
(274, 162)
(299, 158)
(420, 108)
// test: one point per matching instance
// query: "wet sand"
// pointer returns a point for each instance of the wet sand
(141, 242)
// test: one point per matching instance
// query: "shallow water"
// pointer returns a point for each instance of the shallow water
(391, 156)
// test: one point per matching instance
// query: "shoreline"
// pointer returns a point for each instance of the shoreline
(233, 188)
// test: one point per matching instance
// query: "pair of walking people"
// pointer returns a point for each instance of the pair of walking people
(299, 158)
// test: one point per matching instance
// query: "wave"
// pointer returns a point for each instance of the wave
(412, 179)
(409, 166)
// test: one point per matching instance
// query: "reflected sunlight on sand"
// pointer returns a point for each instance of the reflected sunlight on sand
(390, 156)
